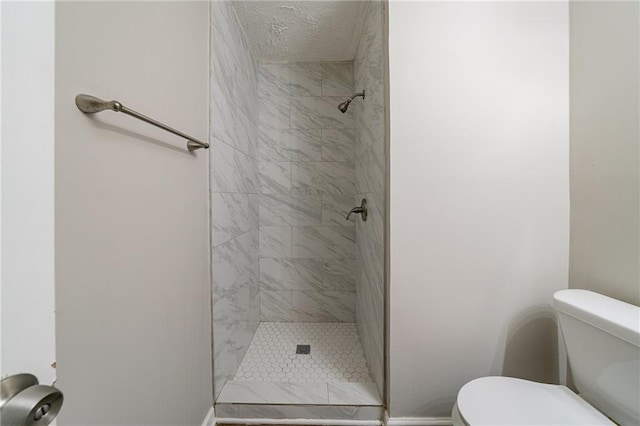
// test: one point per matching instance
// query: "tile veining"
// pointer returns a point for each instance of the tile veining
(234, 185)
(337, 78)
(370, 177)
(290, 145)
(307, 182)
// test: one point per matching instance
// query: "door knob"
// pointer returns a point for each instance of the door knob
(362, 210)
(24, 402)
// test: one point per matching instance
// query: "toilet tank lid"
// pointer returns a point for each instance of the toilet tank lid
(613, 316)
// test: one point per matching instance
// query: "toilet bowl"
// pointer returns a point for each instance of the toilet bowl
(602, 337)
(509, 401)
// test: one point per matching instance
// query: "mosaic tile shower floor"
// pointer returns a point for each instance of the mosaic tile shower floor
(335, 354)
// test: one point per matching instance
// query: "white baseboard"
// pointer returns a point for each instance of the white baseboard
(309, 422)
(418, 421)
(210, 418)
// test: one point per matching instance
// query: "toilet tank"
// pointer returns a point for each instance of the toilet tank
(602, 337)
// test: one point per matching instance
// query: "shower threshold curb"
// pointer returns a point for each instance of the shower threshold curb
(288, 393)
(279, 414)
(348, 403)
(298, 422)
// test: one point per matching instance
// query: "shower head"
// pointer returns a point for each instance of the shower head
(343, 107)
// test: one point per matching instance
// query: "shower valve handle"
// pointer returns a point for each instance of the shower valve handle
(362, 210)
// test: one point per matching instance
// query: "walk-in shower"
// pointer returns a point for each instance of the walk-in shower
(298, 291)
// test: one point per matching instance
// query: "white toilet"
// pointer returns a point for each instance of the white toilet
(602, 337)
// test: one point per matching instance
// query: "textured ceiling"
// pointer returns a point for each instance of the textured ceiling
(301, 30)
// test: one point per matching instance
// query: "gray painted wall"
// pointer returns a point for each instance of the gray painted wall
(605, 135)
(131, 215)
(27, 194)
(479, 217)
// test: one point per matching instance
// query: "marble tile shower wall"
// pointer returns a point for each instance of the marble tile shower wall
(306, 182)
(370, 184)
(234, 197)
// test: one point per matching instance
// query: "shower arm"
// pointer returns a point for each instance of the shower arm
(356, 95)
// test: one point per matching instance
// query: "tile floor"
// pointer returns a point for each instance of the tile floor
(335, 354)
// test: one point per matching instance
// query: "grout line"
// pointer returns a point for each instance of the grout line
(327, 385)
(290, 242)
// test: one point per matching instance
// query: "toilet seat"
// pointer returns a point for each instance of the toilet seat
(510, 401)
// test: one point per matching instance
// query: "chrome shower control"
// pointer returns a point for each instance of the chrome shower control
(362, 210)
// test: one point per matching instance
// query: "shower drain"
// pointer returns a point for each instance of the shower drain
(303, 349)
